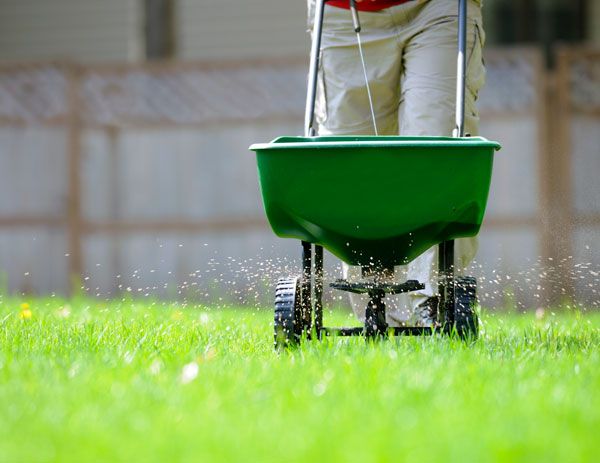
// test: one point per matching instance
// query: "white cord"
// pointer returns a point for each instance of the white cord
(364, 67)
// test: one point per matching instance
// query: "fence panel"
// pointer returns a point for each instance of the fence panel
(138, 178)
(578, 88)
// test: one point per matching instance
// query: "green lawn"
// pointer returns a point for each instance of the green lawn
(86, 381)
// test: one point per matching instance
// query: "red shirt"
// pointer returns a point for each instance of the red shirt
(367, 5)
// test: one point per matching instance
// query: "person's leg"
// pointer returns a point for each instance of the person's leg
(342, 106)
(427, 108)
(428, 81)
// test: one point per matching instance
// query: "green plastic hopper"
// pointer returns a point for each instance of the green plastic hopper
(375, 200)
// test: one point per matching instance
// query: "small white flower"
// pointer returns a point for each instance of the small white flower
(64, 312)
(189, 372)
(319, 389)
(155, 367)
(540, 313)
(73, 370)
(128, 357)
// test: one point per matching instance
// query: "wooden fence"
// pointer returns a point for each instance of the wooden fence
(572, 189)
(95, 155)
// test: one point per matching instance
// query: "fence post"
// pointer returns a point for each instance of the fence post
(545, 111)
(560, 185)
(74, 221)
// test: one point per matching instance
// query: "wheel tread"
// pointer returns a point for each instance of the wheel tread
(287, 326)
(466, 321)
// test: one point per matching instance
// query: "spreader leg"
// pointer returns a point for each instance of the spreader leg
(318, 289)
(375, 324)
(446, 282)
(306, 285)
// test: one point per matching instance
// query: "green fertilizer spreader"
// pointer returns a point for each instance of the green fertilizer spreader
(376, 202)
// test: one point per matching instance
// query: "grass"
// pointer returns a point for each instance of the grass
(84, 380)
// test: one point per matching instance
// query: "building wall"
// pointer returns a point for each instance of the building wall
(217, 29)
(112, 30)
(83, 30)
(594, 21)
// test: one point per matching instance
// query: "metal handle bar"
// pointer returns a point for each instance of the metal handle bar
(315, 49)
(461, 69)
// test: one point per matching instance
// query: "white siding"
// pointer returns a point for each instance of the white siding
(241, 29)
(83, 30)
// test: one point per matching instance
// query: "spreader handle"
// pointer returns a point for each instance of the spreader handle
(461, 69)
(315, 49)
(446, 248)
(355, 20)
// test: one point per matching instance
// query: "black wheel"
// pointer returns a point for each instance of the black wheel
(288, 312)
(466, 322)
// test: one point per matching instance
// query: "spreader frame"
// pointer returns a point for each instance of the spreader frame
(310, 306)
(311, 321)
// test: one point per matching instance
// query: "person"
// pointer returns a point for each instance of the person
(410, 51)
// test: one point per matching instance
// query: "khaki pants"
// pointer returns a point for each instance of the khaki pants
(410, 53)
